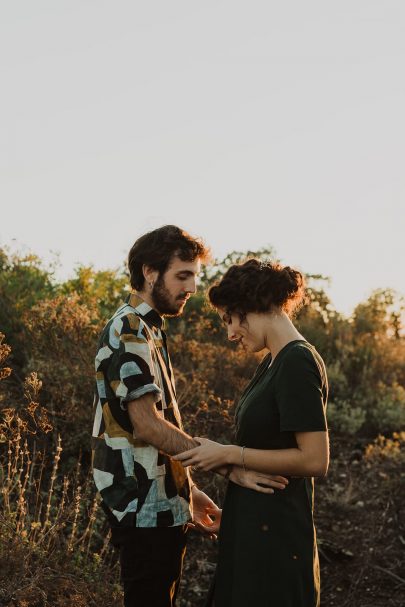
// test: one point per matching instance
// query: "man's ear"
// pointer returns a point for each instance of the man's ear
(150, 274)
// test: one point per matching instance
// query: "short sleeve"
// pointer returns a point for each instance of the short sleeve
(301, 392)
(132, 372)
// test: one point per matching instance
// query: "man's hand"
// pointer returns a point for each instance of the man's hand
(206, 514)
(264, 483)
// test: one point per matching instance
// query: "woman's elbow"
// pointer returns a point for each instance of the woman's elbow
(319, 468)
(316, 464)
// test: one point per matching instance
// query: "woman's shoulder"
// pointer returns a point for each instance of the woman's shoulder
(301, 355)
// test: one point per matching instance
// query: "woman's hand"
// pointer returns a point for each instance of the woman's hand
(207, 456)
(263, 483)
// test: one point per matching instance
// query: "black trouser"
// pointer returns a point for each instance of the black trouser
(151, 563)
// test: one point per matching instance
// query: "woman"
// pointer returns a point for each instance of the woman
(267, 544)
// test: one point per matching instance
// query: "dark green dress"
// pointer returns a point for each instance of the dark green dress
(267, 544)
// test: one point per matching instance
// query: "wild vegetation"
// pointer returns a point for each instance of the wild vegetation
(54, 548)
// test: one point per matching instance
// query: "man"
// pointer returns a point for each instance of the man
(148, 497)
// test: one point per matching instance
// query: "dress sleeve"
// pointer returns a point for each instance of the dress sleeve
(133, 371)
(301, 392)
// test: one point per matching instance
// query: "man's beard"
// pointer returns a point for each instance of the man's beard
(164, 302)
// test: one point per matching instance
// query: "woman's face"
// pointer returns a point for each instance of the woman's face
(248, 332)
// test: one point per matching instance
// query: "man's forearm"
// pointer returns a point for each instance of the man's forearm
(150, 427)
(170, 439)
(165, 436)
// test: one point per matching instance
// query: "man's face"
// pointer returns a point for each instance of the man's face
(173, 288)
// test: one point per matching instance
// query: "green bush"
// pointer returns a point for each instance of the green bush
(385, 408)
(344, 417)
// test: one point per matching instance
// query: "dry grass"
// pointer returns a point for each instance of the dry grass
(54, 548)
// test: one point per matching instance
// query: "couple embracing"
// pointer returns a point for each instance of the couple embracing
(142, 457)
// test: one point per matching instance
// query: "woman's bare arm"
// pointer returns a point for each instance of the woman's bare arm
(309, 458)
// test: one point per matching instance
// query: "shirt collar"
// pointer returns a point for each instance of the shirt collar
(144, 310)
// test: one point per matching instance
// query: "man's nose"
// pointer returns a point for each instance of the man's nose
(192, 285)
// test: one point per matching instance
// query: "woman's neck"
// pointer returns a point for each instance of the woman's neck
(279, 332)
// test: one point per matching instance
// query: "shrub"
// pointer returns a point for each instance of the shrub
(385, 409)
(63, 337)
(345, 418)
(53, 547)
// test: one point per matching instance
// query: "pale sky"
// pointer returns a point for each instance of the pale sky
(249, 123)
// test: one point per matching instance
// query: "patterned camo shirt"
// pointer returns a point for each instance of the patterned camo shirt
(139, 485)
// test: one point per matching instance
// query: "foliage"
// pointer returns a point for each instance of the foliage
(382, 313)
(63, 337)
(345, 417)
(46, 517)
(24, 281)
(104, 289)
(48, 504)
(365, 354)
(387, 448)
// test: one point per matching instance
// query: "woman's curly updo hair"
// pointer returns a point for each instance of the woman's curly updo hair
(256, 286)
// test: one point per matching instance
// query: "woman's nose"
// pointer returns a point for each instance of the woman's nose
(232, 334)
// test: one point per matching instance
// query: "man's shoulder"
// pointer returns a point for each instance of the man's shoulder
(125, 316)
(124, 325)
